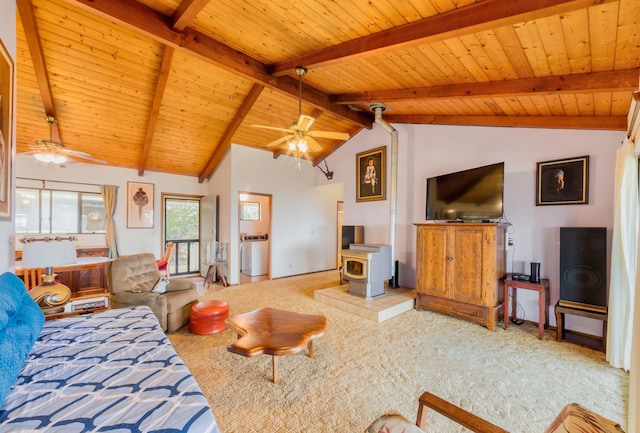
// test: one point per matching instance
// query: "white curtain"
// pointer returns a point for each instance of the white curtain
(621, 342)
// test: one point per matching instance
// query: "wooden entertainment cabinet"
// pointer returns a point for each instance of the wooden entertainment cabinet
(460, 268)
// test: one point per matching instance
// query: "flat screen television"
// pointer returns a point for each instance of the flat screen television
(469, 195)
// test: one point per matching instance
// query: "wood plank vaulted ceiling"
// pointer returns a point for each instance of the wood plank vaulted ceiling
(168, 85)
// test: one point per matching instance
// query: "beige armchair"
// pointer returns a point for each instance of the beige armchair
(131, 279)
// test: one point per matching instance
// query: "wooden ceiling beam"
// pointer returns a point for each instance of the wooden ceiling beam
(618, 123)
(477, 17)
(157, 26)
(225, 141)
(28, 19)
(182, 16)
(623, 80)
(161, 85)
(186, 12)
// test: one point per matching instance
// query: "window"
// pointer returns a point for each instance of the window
(59, 212)
(249, 211)
(182, 227)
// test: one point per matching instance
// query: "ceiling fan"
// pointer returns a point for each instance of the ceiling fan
(298, 135)
(54, 151)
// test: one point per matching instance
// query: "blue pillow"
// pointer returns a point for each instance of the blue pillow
(21, 321)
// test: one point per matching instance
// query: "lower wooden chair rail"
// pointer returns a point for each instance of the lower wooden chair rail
(453, 412)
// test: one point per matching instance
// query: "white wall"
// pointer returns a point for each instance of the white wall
(428, 150)
(130, 241)
(8, 37)
(303, 216)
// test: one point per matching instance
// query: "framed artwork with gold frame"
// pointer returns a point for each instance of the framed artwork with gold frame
(371, 181)
(563, 181)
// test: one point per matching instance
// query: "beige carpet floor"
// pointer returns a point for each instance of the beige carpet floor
(363, 369)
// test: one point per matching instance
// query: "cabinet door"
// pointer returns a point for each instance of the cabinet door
(466, 279)
(433, 259)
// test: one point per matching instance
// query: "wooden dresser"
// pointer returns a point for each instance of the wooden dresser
(85, 278)
(460, 268)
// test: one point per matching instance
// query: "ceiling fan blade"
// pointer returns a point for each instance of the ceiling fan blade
(84, 155)
(280, 140)
(328, 134)
(273, 128)
(304, 123)
(314, 146)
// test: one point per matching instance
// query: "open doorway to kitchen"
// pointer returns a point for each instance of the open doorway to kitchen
(254, 226)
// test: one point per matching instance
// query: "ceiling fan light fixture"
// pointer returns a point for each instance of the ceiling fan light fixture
(50, 157)
(298, 144)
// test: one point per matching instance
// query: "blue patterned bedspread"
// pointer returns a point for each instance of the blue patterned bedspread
(114, 371)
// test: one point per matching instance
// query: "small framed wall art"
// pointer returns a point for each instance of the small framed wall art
(371, 181)
(563, 181)
(140, 205)
(6, 129)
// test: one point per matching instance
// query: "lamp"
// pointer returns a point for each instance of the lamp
(47, 253)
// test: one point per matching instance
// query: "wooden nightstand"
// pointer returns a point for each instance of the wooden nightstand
(92, 304)
(543, 301)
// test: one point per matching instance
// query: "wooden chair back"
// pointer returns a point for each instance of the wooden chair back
(168, 252)
(164, 262)
(32, 277)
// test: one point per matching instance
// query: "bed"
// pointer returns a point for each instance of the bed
(109, 371)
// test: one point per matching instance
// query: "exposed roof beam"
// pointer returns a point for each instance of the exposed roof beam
(185, 12)
(225, 141)
(161, 85)
(623, 80)
(28, 19)
(157, 26)
(477, 17)
(560, 122)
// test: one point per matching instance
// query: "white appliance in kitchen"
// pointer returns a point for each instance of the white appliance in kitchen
(255, 255)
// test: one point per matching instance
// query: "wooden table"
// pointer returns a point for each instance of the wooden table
(543, 301)
(561, 310)
(274, 332)
(87, 277)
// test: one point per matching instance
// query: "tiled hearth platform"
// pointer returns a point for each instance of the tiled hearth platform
(378, 309)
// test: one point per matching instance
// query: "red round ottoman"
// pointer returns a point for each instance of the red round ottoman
(207, 317)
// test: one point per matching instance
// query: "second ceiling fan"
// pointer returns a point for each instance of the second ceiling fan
(52, 151)
(299, 136)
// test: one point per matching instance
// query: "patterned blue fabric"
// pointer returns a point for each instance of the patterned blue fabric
(20, 323)
(110, 371)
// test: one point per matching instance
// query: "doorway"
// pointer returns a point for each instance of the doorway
(254, 227)
(181, 218)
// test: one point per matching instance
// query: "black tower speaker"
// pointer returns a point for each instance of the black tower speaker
(352, 235)
(583, 268)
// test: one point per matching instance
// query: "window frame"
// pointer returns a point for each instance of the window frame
(48, 228)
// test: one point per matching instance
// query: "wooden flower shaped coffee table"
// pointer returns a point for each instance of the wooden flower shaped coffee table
(274, 332)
